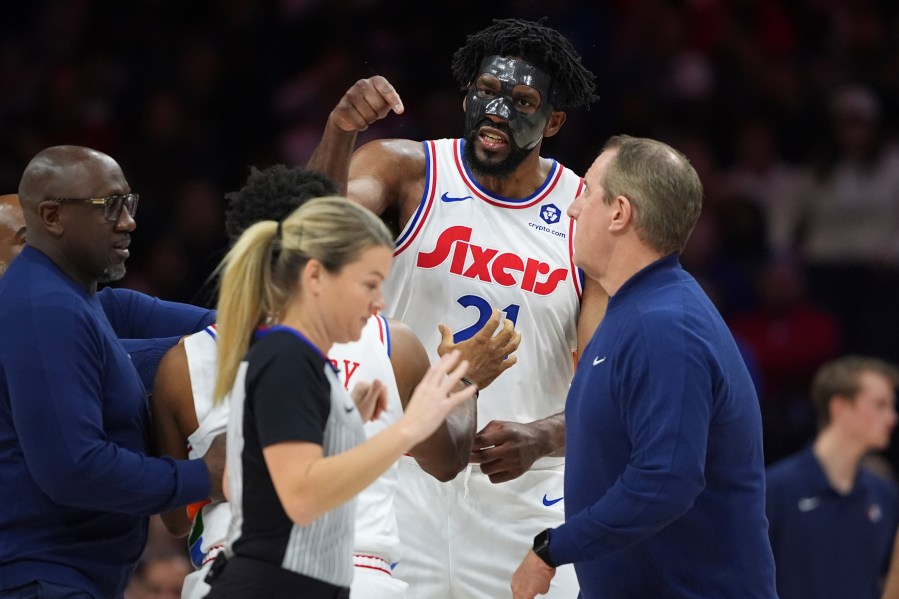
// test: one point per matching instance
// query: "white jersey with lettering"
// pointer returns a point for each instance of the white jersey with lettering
(377, 538)
(366, 360)
(467, 251)
(377, 544)
(463, 253)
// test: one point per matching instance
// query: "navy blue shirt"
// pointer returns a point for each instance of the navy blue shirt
(664, 473)
(75, 484)
(828, 545)
(148, 326)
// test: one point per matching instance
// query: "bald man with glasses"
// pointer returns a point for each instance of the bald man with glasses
(76, 483)
(112, 205)
(146, 340)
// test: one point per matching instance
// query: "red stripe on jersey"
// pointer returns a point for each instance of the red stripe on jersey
(372, 562)
(554, 177)
(381, 328)
(384, 570)
(571, 226)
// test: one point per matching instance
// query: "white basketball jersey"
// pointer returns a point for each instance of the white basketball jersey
(466, 251)
(366, 360)
(209, 527)
(363, 360)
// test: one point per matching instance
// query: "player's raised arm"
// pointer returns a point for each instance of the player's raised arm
(367, 101)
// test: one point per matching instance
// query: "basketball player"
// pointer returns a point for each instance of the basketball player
(484, 229)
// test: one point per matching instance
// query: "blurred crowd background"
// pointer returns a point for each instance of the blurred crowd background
(784, 107)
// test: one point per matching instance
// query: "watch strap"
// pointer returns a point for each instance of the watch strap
(541, 547)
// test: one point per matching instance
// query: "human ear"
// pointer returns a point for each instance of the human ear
(50, 215)
(554, 123)
(312, 276)
(623, 213)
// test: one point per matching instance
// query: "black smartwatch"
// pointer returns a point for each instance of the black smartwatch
(541, 548)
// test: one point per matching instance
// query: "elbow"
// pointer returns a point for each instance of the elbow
(176, 523)
(302, 512)
(443, 457)
(685, 495)
(442, 473)
(61, 494)
(446, 469)
(66, 486)
(177, 531)
(302, 519)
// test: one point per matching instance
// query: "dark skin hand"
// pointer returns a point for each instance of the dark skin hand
(489, 353)
(506, 450)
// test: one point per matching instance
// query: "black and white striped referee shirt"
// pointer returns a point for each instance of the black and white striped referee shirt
(291, 394)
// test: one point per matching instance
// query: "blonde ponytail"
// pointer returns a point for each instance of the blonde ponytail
(245, 299)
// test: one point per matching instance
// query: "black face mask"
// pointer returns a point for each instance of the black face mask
(527, 129)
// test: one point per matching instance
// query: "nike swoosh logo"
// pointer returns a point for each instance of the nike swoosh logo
(599, 360)
(807, 504)
(350, 409)
(447, 198)
(548, 502)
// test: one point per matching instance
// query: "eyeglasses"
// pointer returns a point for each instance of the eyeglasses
(112, 205)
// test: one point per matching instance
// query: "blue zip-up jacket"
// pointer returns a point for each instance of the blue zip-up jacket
(664, 473)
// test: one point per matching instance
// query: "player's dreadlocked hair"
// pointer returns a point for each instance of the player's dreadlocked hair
(272, 194)
(539, 45)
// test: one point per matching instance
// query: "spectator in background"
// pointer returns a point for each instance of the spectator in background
(760, 175)
(832, 521)
(790, 337)
(848, 222)
(159, 576)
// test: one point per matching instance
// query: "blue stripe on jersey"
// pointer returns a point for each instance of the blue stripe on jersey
(263, 331)
(386, 334)
(413, 222)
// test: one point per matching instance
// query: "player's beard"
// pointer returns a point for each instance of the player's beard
(501, 169)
